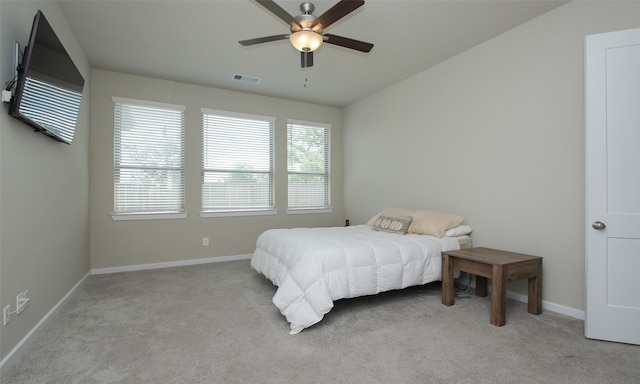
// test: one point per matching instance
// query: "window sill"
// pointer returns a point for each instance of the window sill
(305, 211)
(239, 213)
(147, 216)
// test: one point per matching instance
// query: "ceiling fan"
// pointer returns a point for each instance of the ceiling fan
(307, 30)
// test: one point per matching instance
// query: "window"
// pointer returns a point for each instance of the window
(308, 165)
(149, 157)
(237, 162)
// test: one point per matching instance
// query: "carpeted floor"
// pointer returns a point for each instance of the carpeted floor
(215, 323)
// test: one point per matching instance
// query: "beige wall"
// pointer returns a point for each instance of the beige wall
(44, 190)
(495, 134)
(127, 243)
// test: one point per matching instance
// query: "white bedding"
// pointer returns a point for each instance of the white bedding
(313, 267)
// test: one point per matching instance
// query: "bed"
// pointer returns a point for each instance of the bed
(313, 267)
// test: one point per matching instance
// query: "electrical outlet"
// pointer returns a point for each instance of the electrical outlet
(205, 241)
(21, 301)
(6, 315)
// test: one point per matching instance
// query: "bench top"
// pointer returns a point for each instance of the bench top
(492, 256)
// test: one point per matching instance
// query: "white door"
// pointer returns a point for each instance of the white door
(612, 103)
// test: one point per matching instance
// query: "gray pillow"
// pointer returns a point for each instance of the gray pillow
(397, 224)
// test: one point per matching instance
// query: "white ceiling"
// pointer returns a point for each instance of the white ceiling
(197, 41)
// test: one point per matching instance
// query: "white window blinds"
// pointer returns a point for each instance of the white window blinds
(149, 157)
(308, 164)
(237, 161)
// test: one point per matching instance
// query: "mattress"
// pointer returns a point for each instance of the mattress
(464, 241)
(313, 267)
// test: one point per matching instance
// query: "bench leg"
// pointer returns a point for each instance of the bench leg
(498, 296)
(447, 280)
(534, 302)
(481, 286)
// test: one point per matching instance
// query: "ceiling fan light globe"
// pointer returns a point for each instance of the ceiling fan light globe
(306, 41)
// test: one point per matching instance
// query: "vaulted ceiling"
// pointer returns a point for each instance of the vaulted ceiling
(197, 42)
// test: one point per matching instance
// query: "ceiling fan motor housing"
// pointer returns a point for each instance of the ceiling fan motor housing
(306, 37)
(304, 21)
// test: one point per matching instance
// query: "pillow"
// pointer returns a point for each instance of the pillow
(398, 224)
(460, 230)
(390, 212)
(433, 223)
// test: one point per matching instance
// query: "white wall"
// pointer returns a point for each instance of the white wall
(495, 134)
(44, 198)
(129, 243)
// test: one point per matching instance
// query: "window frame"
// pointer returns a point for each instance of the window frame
(238, 211)
(328, 208)
(150, 215)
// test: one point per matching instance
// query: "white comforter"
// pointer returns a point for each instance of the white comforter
(313, 267)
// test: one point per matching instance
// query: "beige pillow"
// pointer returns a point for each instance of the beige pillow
(390, 212)
(433, 223)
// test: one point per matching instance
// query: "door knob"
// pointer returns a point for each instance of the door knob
(599, 225)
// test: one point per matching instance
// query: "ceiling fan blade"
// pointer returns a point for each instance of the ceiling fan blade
(261, 40)
(306, 59)
(278, 11)
(348, 43)
(337, 12)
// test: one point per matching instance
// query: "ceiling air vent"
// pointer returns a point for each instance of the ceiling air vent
(247, 79)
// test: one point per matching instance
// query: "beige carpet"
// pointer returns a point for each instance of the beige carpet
(215, 323)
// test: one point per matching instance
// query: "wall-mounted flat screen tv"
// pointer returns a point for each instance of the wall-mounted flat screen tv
(49, 86)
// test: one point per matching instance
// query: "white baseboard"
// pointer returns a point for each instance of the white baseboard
(549, 306)
(546, 305)
(6, 362)
(168, 264)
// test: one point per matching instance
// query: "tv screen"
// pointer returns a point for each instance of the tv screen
(49, 86)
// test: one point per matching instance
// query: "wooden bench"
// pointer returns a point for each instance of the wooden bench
(501, 267)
